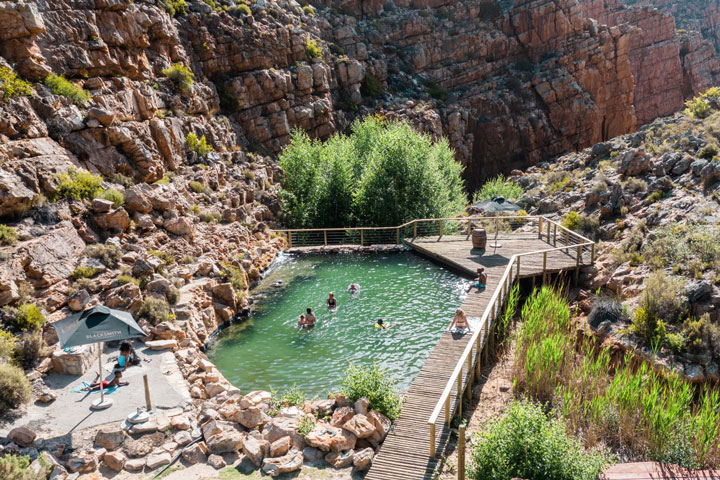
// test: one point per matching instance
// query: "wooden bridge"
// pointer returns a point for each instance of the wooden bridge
(518, 247)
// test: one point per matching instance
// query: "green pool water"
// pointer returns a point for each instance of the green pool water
(269, 352)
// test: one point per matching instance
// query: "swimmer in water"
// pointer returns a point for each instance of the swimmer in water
(310, 318)
(381, 325)
(354, 288)
(331, 301)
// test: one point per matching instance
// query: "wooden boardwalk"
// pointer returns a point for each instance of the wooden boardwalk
(405, 453)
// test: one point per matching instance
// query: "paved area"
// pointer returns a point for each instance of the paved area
(655, 471)
(71, 411)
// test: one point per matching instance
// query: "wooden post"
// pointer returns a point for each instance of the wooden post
(469, 229)
(533, 281)
(518, 269)
(148, 405)
(461, 453)
(432, 440)
(362, 239)
(289, 234)
(544, 265)
(548, 232)
(397, 236)
(447, 410)
(592, 253)
(460, 392)
(442, 229)
(540, 220)
(414, 230)
(478, 365)
(554, 235)
(470, 376)
(577, 263)
(325, 236)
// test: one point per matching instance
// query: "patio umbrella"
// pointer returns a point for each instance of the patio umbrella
(496, 205)
(97, 325)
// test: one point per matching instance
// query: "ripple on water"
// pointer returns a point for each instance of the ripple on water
(268, 351)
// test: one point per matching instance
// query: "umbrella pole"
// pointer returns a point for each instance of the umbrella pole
(102, 404)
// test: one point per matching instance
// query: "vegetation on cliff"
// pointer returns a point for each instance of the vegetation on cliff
(383, 174)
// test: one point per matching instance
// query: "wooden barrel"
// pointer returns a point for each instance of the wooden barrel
(479, 238)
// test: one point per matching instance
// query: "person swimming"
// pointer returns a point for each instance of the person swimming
(459, 323)
(310, 318)
(301, 323)
(380, 324)
(354, 288)
(331, 301)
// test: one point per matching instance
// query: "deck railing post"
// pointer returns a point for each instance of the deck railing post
(460, 392)
(592, 253)
(414, 230)
(362, 239)
(540, 225)
(554, 235)
(470, 376)
(325, 236)
(461, 453)
(442, 228)
(289, 234)
(432, 440)
(447, 410)
(544, 265)
(577, 262)
(397, 236)
(517, 276)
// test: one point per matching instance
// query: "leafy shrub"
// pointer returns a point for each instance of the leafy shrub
(375, 384)
(235, 275)
(312, 49)
(708, 152)
(499, 187)
(682, 245)
(197, 187)
(78, 184)
(180, 75)
(581, 222)
(663, 301)
(292, 397)
(249, 174)
(125, 279)
(675, 341)
(7, 345)
(28, 317)
(702, 336)
(123, 180)
(635, 185)
(30, 350)
(81, 271)
(112, 195)
(173, 296)
(383, 173)
(175, 7)
(108, 254)
(16, 467)
(155, 310)
(309, 10)
(198, 146)
(525, 443)
(8, 236)
(306, 425)
(59, 85)
(14, 388)
(371, 86)
(557, 181)
(11, 86)
(244, 9)
(697, 108)
(605, 309)
(166, 257)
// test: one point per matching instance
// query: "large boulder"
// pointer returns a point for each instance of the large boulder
(380, 422)
(116, 220)
(82, 463)
(342, 415)
(179, 226)
(115, 460)
(340, 459)
(255, 398)
(329, 438)
(195, 453)
(255, 450)
(51, 258)
(110, 437)
(286, 464)
(360, 426)
(225, 442)
(363, 459)
(125, 297)
(251, 417)
(280, 427)
(22, 436)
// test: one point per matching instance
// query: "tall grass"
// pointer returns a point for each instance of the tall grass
(621, 403)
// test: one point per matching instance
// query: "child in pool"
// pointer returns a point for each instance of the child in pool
(354, 288)
(331, 301)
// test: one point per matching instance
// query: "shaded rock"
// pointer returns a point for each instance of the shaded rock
(22, 436)
(225, 442)
(280, 447)
(110, 437)
(340, 459)
(327, 437)
(195, 453)
(251, 417)
(115, 461)
(254, 450)
(342, 415)
(155, 460)
(362, 459)
(79, 301)
(361, 406)
(117, 220)
(100, 205)
(82, 463)
(380, 422)
(279, 427)
(216, 461)
(280, 465)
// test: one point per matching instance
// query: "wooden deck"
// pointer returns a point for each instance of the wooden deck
(405, 453)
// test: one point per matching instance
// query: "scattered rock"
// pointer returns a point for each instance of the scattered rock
(22, 436)
(216, 461)
(115, 461)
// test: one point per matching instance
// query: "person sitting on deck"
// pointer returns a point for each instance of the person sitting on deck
(459, 323)
(354, 288)
(479, 281)
(331, 301)
(105, 384)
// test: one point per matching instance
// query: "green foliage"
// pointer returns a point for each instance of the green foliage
(28, 318)
(8, 236)
(293, 397)
(199, 146)
(125, 279)
(166, 257)
(581, 222)
(557, 181)
(244, 9)
(306, 425)
(702, 336)
(235, 275)
(526, 443)
(499, 187)
(11, 86)
(700, 106)
(123, 180)
(635, 185)
(197, 187)
(312, 49)
(682, 244)
(371, 86)
(112, 195)
(436, 91)
(383, 173)
(661, 303)
(29, 350)
(82, 271)
(249, 174)
(7, 345)
(708, 152)
(16, 467)
(59, 85)
(78, 184)
(108, 254)
(14, 390)
(155, 310)
(175, 7)
(375, 384)
(310, 11)
(180, 75)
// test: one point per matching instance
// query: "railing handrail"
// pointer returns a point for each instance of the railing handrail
(483, 320)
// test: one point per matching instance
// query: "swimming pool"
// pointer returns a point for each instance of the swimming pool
(268, 351)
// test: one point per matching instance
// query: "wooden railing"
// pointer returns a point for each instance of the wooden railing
(469, 363)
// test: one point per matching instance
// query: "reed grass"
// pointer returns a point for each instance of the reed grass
(622, 403)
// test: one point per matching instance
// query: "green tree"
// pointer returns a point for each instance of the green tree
(383, 174)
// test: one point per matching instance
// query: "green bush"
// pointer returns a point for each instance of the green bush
(581, 223)
(123, 180)
(306, 425)
(309, 10)
(7, 345)
(236, 276)
(155, 310)
(244, 9)
(28, 318)
(197, 187)
(312, 49)
(662, 302)
(635, 185)
(60, 85)
(375, 384)
(14, 388)
(11, 86)
(16, 467)
(293, 397)
(112, 195)
(383, 173)
(526, 443)
(708, 152)
(82, 271)
(8, 236)
(125, 279)
(181, 76)
(78, 184)
(198, 146)
(702, 336)
(30, 349)
(108, 254)
(166, 257)
(371, 86)
(499, 187)
(176, 7)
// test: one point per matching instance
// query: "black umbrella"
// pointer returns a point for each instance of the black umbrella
(96, 325)
(496, 205)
